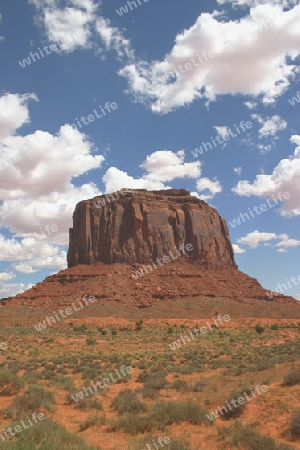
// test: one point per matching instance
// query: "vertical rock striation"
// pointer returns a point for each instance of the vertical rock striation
(140, 226)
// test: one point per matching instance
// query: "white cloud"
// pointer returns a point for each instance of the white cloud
(113, 38)
(11, 289)
(24, 268)
(37, 190)
(254, 238)
(161, 166)
(6, 276)
(287, 243)
(251, 105)
(246, 61)
(211, 188)
(285, 178)
(270, 125)
(1, 37)
(238, 249)
(253, 3)
(13, 113)
(238, 170)
(222, 131)
(69, 27)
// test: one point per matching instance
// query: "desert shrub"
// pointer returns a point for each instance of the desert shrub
(91, 341)
(295, 425)
(292, 377)
(46, 435)
(198, 386)
(147, 392)
(259, 329)
(83, 402)
(235, 411)
(31, 401)
(91, 421)
(238, 435)
(132, 424)
(127, 402)
(64, 382)
(167, 413)
(10, 383)
(275, 326)
(179, 385)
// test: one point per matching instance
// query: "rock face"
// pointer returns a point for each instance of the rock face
(140, 226)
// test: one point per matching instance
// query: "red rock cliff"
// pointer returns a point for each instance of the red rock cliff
(138, 226)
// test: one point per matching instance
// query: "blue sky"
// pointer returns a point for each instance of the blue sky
(165, 77)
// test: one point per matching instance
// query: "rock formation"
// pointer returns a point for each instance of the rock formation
(139, 226)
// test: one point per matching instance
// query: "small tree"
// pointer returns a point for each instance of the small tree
(259, 329)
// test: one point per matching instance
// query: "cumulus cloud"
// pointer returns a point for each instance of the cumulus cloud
(161, 166)
(69, 27)
(238, 170)
(11, 289)
(36, 188)
(270, 125)
(249, 58)
(13, 113)
(253, 239)
(209, 187)
(237, 249)
(113, 38)
(6, 276)
(285, 178)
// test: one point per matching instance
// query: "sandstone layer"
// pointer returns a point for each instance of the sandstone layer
(139, 226)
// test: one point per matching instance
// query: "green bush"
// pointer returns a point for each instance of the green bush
(132, 424)
(275, 326)
(292, 378)
(127, 402)
(240, 436)
(46, 435)
(10, 384)
(236, 411)
(34, 398)
(259, 329)
(167, 413)
(91, 421)
(85, 403)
